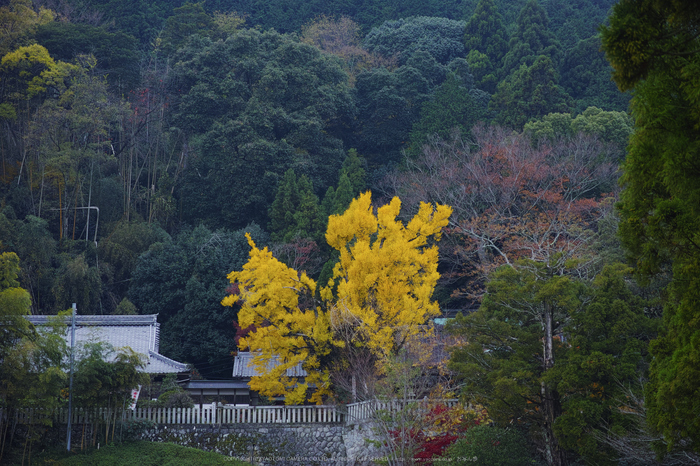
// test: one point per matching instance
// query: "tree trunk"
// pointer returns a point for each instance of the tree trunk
(551, 407)
(24, 452)
(60, 213)
(94, 427)
(41, 192)
(5, 426)
(75, 207)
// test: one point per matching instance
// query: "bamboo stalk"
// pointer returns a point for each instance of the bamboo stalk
(75, 206)
(60, 212)
(114, 423)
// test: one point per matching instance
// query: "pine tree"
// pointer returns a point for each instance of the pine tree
(308, 218)
(530, 92)
(283, 207)
(353, 167)
(530, 39)
(328, 203)
(486, 40)
(343, 195)
(452, 107)
(295, 211)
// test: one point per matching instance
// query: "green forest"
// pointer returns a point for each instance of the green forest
(146, 145)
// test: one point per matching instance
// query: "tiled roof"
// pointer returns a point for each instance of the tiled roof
(243, 366)
(159, 364)
(194, 385)
(140, 333)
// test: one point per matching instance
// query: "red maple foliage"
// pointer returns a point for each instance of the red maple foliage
(510, 199)
(440, 427)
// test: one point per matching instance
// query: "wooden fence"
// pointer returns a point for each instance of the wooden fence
(241, 415)
(313, 414)
(207, 415)
(364, 410)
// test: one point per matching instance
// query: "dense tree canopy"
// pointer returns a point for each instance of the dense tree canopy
(530, 92)
(256, 105)
(486, 42)
(453, 105)
(443, 39)
(183, 281)
(551, 353)
(138, 138)
(116, 54)
(585, 75)
(653, 47)
(530, 39)
(614, 128)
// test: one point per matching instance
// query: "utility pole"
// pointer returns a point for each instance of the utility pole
(70, 384)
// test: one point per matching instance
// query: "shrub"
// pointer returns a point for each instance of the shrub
(133, 429)
(175, 398)
(488, 445)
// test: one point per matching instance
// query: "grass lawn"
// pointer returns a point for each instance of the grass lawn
(138, 453)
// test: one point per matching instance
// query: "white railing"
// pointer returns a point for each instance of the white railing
(312, 414)
(364, 410)
(241, 415)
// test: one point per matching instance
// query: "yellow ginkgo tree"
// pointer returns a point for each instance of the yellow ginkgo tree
(381, 288)
(287, 332)
(387, 271)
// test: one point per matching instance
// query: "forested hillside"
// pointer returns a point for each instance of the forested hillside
(173, 126)
(147, 147)
(140, 140)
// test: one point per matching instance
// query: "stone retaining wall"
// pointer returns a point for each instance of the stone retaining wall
(259, 444)
(262, 444)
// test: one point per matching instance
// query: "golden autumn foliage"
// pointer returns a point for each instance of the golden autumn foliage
(385, 279)
(286, 333)
(387, 271)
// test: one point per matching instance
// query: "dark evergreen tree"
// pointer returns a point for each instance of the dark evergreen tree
(530, 39)
(143, 19)
(571, 394)
(184, 281)
(295, 212)
(354, 168)
(653, 47)
(573, 22)
(607, 348)
(452, 106)
(442, 38)
(432, 71)
(486, 42)
(116, 52)
(530, 92)
(253, 107)
(586, 76)
(282, 209)
(344, 195)
(328, 202)
(185, 21)
(309, 221)
(389, 104)
(512, 351)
